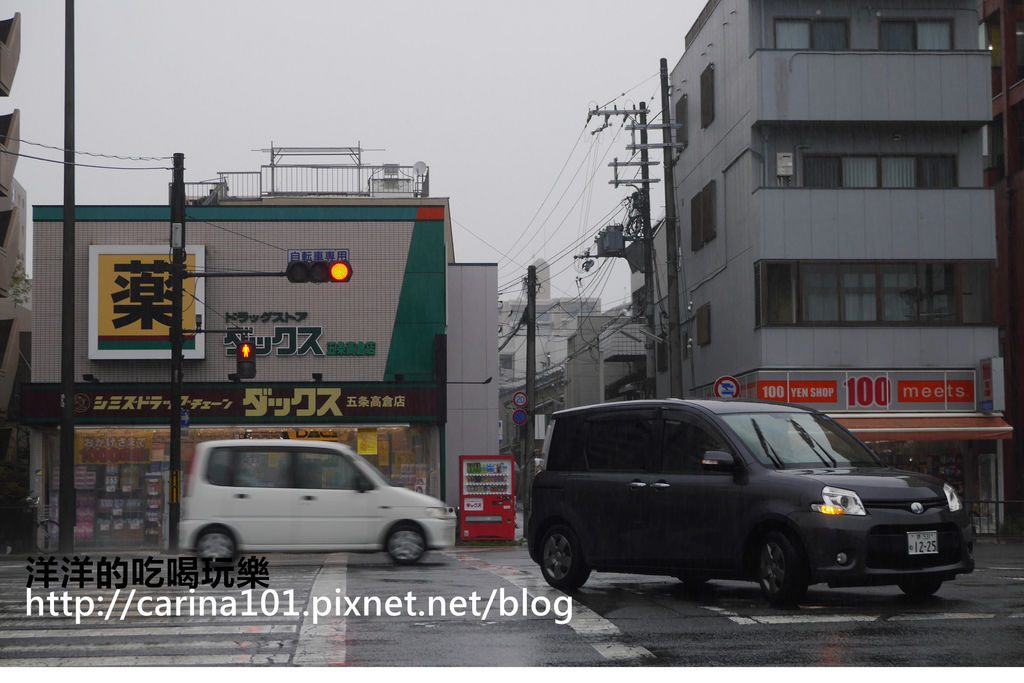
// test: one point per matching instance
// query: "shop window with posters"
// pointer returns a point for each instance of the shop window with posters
(118, 489)
(121, 474)
(942, 459)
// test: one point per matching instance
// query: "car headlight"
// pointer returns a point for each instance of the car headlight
(839, 502)
(951, 498)
(441, 513)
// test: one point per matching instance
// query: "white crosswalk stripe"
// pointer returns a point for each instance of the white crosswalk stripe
(31, 636)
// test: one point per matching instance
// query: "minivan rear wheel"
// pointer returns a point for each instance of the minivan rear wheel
(920, 587)
(215, 544)
(561, 559)
(781, 571)
(406, 544)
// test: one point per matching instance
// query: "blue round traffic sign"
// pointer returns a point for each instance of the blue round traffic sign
(519, 417)
(727, 387)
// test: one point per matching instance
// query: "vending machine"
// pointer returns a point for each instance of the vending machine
(487, 497)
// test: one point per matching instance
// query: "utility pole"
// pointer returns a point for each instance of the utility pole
(675, 345)
(66, 495)
(645, 213)
(531, 374)
(177, 341)
(642, 204)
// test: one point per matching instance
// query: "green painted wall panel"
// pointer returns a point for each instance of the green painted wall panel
(421, 308)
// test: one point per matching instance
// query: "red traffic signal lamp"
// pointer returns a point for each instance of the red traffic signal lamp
(245, 360)
(319, 271)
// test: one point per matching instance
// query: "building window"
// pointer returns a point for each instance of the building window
(819, 293)
(924, 172)
(707, 96)
(704, 325)
(908, 35)
(822, 172)
(702, 217)
(868, 293)
(811, 34)
(507, 362)
(679, 133)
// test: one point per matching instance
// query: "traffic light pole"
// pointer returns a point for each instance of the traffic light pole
(177, 341)
(66, 505)
(178, 274)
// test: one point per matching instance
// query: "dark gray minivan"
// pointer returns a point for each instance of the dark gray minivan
(767, 492)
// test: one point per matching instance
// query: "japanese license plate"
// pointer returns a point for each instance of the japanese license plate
(922, 543)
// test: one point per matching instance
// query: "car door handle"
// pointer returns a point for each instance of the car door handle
(637, 484)
(241, 495)
(309, 498)
(661, 485)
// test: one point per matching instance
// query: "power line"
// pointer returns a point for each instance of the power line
(92, 154)
(80, 165)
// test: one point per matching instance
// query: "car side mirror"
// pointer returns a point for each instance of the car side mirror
(717, 461)
(362, 485)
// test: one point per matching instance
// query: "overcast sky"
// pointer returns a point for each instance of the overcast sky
(493, 96)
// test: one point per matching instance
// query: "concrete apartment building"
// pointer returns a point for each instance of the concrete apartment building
(15, 318)
(837, 238)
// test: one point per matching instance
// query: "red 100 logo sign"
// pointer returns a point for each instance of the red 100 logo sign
(863, 392)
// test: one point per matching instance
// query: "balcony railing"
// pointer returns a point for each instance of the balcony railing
(299, 180)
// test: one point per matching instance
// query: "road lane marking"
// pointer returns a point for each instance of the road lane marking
(790, 618)
(125, 631)
(731, 615)
(152, 649)
(602, 635)
(323, 643)
(940, 615)
(814, 618)
(150, 660)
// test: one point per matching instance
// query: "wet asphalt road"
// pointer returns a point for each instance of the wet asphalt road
(465, 608)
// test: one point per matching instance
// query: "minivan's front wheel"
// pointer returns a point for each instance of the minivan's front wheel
(920, 587)
(215, 544)
(561, 559)
(781, 571)
(406, 544)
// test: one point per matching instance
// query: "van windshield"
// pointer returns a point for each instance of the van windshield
(788, 440)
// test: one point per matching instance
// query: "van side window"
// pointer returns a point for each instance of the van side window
(684, 445)
(220, 467)
(565, 453)
(620, 445)
(263, 469)
(324, 471)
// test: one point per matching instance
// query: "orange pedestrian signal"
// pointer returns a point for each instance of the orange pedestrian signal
(319, 271)
(245, 361)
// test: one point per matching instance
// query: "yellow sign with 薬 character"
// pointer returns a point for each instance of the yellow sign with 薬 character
(130, 302)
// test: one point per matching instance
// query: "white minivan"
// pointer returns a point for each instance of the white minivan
(267, 495)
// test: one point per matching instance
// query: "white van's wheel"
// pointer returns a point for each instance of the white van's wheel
(215, 544)
(406, 545)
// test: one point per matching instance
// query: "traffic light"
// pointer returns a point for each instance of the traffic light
(245, 360)
(319, 271)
